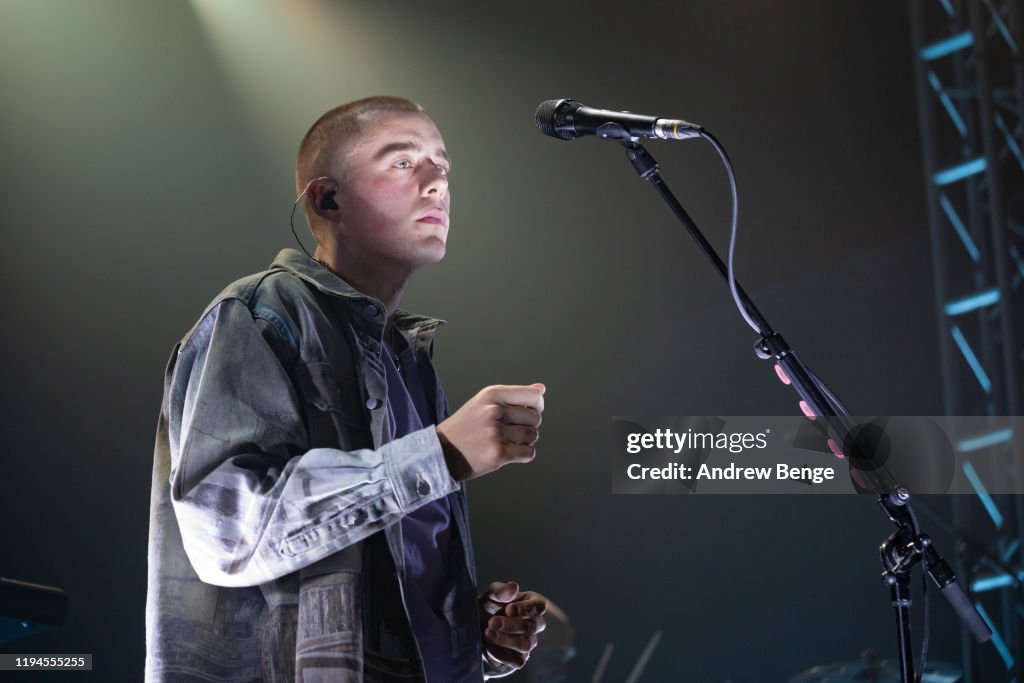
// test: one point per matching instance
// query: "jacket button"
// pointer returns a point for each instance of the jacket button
(422, 487)
(373, 403)
(370, 311)
(355, 518)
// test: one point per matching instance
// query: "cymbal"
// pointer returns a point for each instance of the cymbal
(877, 671)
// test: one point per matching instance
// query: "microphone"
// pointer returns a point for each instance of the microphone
(568, 120)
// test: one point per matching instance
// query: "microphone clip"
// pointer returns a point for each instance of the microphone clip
(642, 161)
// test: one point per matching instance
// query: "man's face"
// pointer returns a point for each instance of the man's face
(393, 193)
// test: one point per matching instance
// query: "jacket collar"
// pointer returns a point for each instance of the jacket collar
(316, 275)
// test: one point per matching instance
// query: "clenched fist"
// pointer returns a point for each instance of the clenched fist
(497, 426)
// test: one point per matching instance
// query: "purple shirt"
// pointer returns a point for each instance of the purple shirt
(427, 533)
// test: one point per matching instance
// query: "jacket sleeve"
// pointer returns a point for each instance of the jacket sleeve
(252, 504)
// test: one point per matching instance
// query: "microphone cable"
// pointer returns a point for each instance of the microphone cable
(733, 289)
(734, 228)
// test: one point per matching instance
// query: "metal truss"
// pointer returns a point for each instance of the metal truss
(970, 91)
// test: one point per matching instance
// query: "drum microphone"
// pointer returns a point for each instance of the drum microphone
(568, 120)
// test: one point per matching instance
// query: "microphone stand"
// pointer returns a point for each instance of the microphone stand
(907, 545)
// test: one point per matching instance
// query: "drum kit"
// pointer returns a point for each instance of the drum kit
(871, 668)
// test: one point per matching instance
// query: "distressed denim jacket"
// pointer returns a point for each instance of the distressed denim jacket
(274, 553)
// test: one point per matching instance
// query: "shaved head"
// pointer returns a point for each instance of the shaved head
(325, 142)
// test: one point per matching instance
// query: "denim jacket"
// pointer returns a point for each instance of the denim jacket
(274, 553)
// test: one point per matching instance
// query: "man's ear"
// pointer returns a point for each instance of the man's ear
(321, 193)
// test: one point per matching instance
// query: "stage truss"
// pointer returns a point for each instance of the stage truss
(970, 90)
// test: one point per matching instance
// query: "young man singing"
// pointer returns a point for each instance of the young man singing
(309, 519)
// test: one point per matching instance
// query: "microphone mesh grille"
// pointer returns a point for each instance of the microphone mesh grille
(551, 116)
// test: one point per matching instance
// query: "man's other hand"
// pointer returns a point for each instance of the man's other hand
(497, 426)
(511, 620)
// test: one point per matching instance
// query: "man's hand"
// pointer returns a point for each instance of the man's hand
(511, 621)
(495, 427)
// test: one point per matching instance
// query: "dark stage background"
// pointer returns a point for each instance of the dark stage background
(147, 161)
